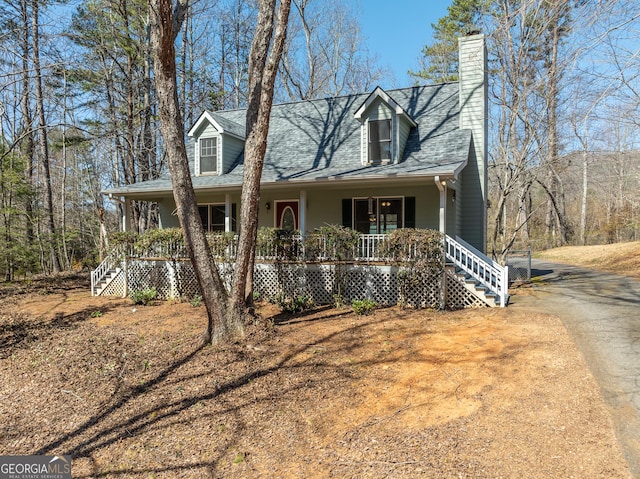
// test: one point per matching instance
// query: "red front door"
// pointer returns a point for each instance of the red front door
(287, 214)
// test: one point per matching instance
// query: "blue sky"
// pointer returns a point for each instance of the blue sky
(397, 31)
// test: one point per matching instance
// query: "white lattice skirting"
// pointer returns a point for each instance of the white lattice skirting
(384, 284)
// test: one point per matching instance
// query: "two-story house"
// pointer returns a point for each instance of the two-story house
(406, 158)
(374, 162)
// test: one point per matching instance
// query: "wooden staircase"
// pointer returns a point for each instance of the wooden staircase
(474, 288)
(105, 281)
(480, 275)
(111, 268)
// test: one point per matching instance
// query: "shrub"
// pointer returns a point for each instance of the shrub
(196, 301)
(332, 242)
(362, 307)
(425, 247)
(221, 243)
(143, 296)
(283, 245)
(294, 304)
(339, 301)
(154, 242)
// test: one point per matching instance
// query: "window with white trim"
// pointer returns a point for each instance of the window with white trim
(379, 141)
(213, 217)
(208, 155)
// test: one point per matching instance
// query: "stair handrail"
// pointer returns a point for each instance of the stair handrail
(479, 266)
(114, 257)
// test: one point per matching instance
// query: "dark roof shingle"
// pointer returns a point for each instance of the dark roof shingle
(320, 140)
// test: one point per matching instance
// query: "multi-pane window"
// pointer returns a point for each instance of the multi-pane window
(208, 155)
(377, 215)
(213, 217)
(379, 140)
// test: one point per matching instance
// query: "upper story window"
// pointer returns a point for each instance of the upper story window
(208, 155)
(379, 141)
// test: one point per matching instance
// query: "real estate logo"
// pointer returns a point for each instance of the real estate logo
(35, 467)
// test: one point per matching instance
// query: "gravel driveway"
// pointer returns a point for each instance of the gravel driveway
(601, 311)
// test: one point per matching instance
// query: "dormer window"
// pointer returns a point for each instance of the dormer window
(208, 155)
(379, 141)
(384, 129)
(217, 144)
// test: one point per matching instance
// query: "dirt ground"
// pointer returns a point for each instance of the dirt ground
(129, 392)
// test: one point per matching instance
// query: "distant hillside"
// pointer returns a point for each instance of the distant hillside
(619, 258)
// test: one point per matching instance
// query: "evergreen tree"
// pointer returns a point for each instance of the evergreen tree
(439, 61)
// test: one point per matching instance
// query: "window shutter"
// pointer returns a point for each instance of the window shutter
(234, 225)
(410, 212)
(347, 213)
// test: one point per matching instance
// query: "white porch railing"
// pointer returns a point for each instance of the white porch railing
(472, 262)
(110, 262)
(369, 247)
(480, 267)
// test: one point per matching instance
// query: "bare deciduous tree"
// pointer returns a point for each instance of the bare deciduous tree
(225, 317)
(324, 54)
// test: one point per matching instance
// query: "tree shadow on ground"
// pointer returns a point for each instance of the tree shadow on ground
(21, 330)
(130, 415)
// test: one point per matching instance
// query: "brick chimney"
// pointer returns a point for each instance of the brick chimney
(473, 116)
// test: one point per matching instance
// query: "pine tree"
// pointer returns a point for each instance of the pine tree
(439, 62)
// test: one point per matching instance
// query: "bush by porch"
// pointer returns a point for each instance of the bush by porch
(405, 267)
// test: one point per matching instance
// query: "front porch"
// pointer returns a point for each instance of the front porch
(319, 268)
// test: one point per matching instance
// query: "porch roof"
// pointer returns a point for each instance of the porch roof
(319, 141)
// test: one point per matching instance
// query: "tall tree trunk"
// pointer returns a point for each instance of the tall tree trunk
(63, 181)
(263, 66)
(43, 141)
(556, 213)
(163, 32)
(583, 203)
(225, 318)
(27, 146)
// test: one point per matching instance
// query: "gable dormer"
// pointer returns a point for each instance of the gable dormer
(384, 129)
(217, 143)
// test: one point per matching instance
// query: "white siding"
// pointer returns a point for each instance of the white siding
(209, 131)
(379, 111)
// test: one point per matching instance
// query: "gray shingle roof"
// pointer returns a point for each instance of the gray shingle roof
(228, 125)
(319, 140)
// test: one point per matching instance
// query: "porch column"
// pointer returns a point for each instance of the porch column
(227, 213)
(126, 220)
(442, 188)
(303, 213)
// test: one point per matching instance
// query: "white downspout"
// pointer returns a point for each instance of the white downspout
(442, 187)
(227, 213)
